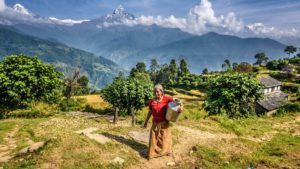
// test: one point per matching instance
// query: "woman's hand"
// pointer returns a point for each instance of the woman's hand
(180, 110)
(145, 125)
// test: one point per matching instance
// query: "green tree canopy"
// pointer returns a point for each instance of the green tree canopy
(226, 65)
(128, 95)
(261, 58)
(173, 72)
(26, 79)
(290, 49)
(83, 83)
(233, 95)
(183, 68)
(205, 71)
(244, 67)
(140, 67)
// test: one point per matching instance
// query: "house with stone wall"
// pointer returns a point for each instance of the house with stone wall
(273, 96)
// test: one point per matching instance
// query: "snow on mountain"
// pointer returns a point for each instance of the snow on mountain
(67, 22)
(21, 9)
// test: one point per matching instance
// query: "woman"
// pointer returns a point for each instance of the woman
(160, 143)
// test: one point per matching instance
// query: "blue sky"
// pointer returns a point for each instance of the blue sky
(283, 14)
(249, 10)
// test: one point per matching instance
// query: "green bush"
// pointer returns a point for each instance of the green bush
(24, 80)
(70, 105)
(288, 108)
(290, 88)
(233, 95)
(29, 113)
(91, 109)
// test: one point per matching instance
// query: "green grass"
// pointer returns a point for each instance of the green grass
(281, 152)
(5, 127)
(210, 158)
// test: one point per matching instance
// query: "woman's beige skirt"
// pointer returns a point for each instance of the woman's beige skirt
(160, 143)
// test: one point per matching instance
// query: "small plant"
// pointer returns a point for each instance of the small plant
(288, 108)
(69, 105)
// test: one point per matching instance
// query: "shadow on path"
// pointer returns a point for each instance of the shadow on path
(142, 149)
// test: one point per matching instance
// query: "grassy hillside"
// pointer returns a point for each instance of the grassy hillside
(99, 70)
(199, 141)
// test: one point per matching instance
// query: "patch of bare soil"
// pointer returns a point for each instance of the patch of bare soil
(181, 151)
(10, 144)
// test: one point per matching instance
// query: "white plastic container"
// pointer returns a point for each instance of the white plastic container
(173, 110)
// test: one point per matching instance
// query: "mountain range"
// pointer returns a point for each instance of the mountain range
(99, 70)
(126, 44)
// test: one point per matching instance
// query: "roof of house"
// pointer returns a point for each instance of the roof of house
(273, 100)
(268, 81)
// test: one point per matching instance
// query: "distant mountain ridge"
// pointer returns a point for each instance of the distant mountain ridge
(99, 70)
(126, 45)
(210, 50)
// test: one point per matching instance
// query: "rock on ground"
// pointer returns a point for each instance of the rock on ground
(139, 136)
(97, 137)
(119, 160)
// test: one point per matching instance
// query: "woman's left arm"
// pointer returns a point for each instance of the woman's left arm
(180, 110)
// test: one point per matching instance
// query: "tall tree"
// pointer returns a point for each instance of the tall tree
(205, 71)
(128, 95)
(234, 65)
(290, 50)
(261, 58)
(83, 83)
(70, 84)
(154, 66)
(183, 68)
(226, 65)
(173, 72)
(140, 67)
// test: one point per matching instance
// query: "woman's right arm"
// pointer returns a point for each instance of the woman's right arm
(147, 119)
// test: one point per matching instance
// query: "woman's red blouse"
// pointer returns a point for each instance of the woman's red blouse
(159, 109)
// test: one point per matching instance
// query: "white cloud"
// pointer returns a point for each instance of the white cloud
(260, 29)
(19, 14)
(2, 5)
(202, 19)
(67, 22)
(21, 9)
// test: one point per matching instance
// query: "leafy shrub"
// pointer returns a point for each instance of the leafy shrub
(128, 95)
(277, 64)
(288, 108)
(91, 109)
(29, 113)
(38, 110)
(283, 76)
(70, 105)
(233, 95)
(290, 88)
(26, 79)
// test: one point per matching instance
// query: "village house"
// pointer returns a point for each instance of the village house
(273, 96)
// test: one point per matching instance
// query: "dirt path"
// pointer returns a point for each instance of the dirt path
(6, 149)
(182, 149)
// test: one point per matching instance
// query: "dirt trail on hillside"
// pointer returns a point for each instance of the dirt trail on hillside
(181, 151)
(6, 149)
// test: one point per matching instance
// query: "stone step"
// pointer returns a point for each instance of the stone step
(3, 148)
(4, 153)
(5, 159)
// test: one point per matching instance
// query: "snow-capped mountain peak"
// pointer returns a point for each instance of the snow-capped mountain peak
(119, 10)
(21, 9)
(118, 15)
